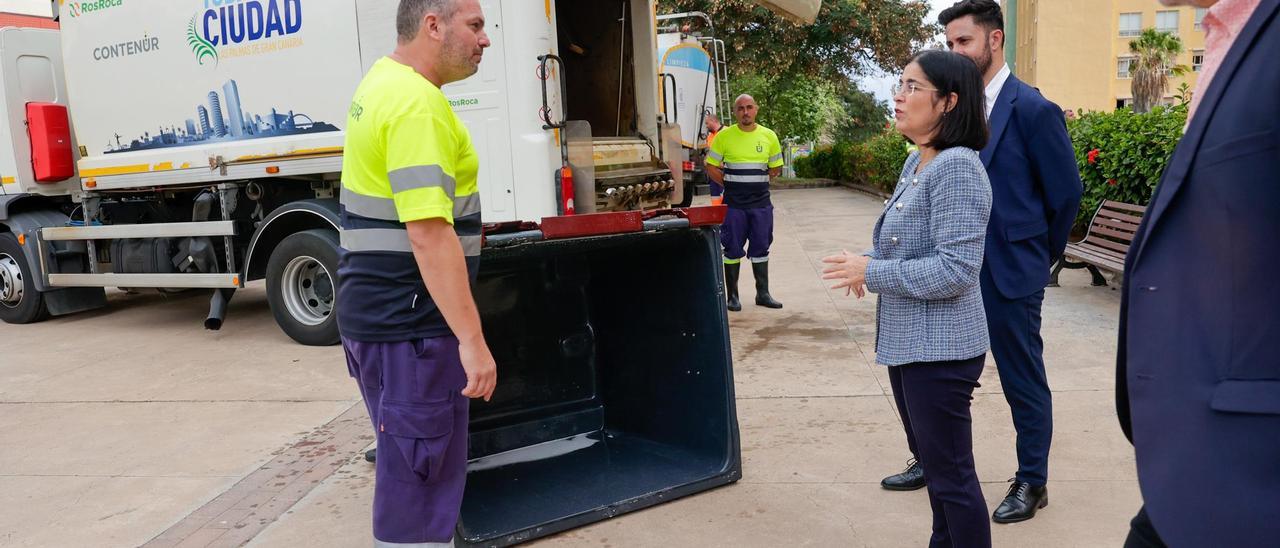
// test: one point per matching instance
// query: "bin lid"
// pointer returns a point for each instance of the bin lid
(798, 11)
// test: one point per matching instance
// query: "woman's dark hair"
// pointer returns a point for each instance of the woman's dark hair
(966, 123)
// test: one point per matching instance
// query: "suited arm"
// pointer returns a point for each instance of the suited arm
(960, 206)
(1053, 161)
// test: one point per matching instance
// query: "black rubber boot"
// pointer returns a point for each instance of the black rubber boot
(731, 272)
(761, 271)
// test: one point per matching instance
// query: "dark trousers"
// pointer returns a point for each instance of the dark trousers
(413, 392)
(933, 399)
(1142, 534)
(1014, 327)
(747, 225)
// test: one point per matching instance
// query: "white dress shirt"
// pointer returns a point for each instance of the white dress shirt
(997, 84)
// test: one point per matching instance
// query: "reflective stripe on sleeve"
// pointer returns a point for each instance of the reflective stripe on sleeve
(415, 177)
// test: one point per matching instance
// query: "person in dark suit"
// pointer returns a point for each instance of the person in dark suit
(930, 326)
(1198, 365)
(1036, 189)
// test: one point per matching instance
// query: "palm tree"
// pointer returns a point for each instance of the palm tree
(1155, 57)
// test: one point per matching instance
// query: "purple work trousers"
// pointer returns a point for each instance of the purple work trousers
(413, 392)
(743, 226)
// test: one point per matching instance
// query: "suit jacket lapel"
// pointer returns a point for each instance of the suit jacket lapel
(1180, 163)
(1000, 115)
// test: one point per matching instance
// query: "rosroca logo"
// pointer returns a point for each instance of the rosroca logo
(76, 9)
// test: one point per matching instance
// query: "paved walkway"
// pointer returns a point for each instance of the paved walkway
(132, 425)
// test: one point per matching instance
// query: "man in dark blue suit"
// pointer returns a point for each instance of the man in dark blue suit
(1198, 370)
(1036, 193)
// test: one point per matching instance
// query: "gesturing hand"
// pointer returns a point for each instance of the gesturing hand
(850, 270)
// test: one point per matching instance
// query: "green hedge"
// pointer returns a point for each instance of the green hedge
(1121, 155)
(875, 162)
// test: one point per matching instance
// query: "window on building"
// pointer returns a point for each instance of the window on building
(1167, 21)
(1200, 17)
(1130, 24)
(1123, 66)
(1197, 60)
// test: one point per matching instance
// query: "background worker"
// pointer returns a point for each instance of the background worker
(743, 158)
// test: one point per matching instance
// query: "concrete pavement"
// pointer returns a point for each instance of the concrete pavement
(119, 425)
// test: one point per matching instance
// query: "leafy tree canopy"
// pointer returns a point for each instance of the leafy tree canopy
(849, 38)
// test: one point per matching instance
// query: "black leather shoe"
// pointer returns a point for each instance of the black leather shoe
(909, 480)
(371, 455)
(1021, 503)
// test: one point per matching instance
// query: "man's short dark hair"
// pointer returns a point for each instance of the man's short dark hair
(986, 13)
(410, 13)
(966, 123)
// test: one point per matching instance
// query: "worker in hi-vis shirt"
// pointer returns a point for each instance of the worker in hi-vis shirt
(744, 157)
(410, 249)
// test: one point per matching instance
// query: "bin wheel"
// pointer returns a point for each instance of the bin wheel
(301, 284)
(20, 302)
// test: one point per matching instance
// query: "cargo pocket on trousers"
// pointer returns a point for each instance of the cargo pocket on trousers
(421, 433)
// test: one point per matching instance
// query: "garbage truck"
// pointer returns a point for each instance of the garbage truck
(695, 85)
(185, 144)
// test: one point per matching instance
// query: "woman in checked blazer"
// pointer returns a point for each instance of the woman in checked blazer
(930, 325)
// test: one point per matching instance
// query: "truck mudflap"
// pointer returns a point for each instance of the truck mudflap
(616, 378)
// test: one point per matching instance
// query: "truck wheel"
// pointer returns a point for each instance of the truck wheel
(301, 283)
(20, 302)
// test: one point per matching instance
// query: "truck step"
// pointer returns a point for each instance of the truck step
(202, 281)
(153, 230)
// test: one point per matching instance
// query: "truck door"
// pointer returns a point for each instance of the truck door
(481, 102)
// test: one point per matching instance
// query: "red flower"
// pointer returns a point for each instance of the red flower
(1093, 156)
(1112, 182)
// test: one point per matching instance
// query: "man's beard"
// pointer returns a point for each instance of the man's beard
(458, 58)
(984, 60)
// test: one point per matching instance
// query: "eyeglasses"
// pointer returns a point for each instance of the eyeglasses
(909, 88)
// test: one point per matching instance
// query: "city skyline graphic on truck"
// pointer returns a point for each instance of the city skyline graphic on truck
(211, 125)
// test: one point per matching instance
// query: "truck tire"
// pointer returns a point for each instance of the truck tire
(301, 283)
(20, 302)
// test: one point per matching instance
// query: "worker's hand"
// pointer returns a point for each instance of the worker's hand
(481, 370)
(849, 270)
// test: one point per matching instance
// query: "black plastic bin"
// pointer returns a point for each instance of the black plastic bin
(615, 388)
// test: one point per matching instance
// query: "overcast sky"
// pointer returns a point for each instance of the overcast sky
(880, 85)
(30, 7)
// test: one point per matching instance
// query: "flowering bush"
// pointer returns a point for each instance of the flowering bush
(1121, 155)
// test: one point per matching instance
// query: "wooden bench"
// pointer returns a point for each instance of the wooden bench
(1105, 245)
